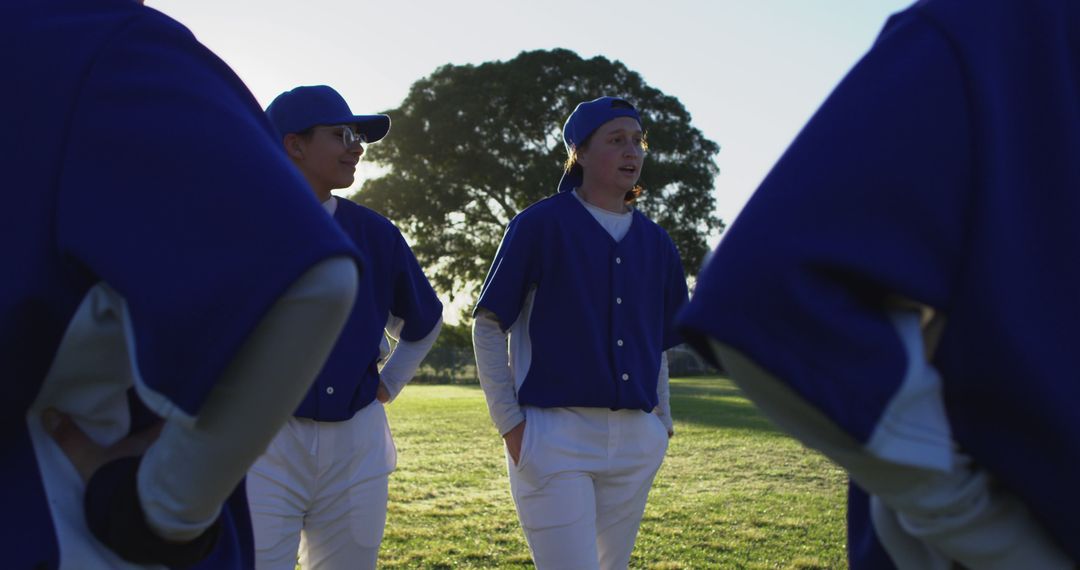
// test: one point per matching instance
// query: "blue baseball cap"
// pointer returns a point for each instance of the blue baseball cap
(310, 105)
(583, 122)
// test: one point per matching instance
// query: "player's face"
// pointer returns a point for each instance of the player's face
(614, 155)
(329, 158)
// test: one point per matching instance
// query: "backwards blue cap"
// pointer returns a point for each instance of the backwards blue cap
(305, 107)
(586, 118)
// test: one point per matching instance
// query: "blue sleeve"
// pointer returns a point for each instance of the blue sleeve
(675, 296)
(175, 192)
(513, 272)
(871, 200)
(414, 300)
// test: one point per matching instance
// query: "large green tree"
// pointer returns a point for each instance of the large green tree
(473, 145)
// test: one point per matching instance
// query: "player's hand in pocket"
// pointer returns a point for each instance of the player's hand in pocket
(382, 394)
(513, 439)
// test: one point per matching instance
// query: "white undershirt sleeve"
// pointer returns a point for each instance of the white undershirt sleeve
(493, 369)
(192, 468)
(663, 393)
(406, 356)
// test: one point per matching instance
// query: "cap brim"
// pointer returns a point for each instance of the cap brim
(373, 127)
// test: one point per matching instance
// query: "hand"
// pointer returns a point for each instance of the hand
(382, 394)
(86, 455)
(670, 430)
(513, 440)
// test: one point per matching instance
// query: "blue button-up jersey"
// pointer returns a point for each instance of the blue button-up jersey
(603, 310)
(393, 284)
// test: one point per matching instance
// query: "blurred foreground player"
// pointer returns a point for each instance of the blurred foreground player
(154, 237)
(901, 292)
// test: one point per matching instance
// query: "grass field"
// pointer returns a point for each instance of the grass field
(733, 492)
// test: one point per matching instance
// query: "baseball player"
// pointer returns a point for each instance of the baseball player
(135, 257)
(901, 291)
(322, 484)
(586, 288)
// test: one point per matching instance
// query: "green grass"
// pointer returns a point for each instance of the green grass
(733, 492)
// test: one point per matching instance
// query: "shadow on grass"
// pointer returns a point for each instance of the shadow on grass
(716, 402)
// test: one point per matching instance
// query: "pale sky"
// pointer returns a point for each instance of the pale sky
(750, 72)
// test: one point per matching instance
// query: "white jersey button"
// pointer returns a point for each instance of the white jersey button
(625, 376)
(618, 300)
(618, 260)
(619, 342)
(330, 390)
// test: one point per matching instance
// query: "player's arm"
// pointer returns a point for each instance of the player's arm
(415, 321)
(162, 507)
(663, 393)
(926, 517)
(507, 290)
(406, 357)
(497, 379)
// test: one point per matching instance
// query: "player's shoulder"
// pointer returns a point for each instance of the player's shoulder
(362, 213)
(97, 15)
(373, 226)
(132, 19)
(37, 29)
(547, 209)
(984, 20)
(545, 206)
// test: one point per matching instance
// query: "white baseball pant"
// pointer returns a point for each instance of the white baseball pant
(581, 483)
(321, 489)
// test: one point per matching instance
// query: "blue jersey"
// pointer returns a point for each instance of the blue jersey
(603, 310)
(943, 169)
(393, 284)
(130, 157)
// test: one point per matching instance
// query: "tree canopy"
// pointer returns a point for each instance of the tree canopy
(473, 145)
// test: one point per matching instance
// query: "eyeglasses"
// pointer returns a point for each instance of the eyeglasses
(351, 138)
